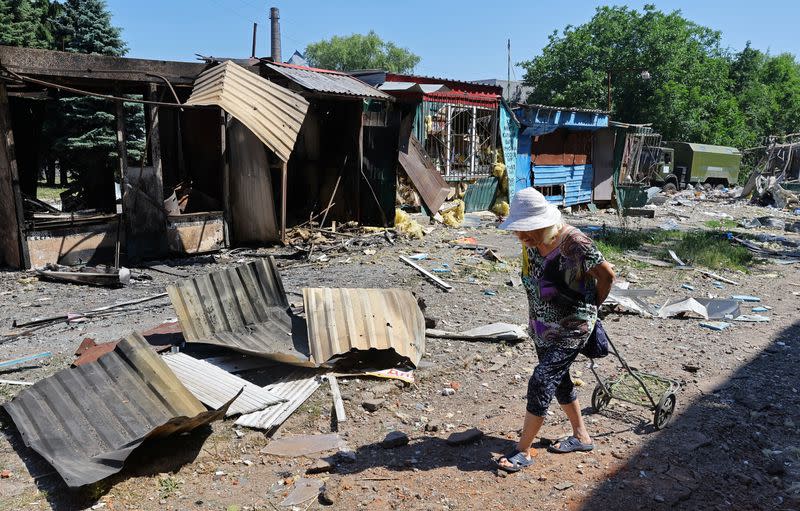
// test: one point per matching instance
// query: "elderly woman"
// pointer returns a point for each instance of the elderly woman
(566, 278)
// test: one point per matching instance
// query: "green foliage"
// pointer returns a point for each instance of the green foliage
(84, 26)
(83, 130)
(358, 51)
(711, 250)
(698, 91)
(723, 224)
(167, 487)
(27, 23)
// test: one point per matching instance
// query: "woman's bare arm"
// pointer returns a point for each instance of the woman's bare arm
(604, 275)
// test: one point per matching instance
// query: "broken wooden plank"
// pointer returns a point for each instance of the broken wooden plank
(717, 277)
(118, 278)
(338, 403)
(436, 280)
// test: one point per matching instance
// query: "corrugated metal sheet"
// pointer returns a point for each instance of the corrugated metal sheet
(480, 194)
(323, 80)
(296, 388)
(85, 421)
(576, 179)
(243, 308)
(341, 320)
(272, 112)
(214, 386)
(427, 180)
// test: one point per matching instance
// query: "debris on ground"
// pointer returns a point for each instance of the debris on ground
(404, 224)
(93, 276)
(395, 439)
(156, 404)
(491, 332)
(214, 386)
(303, 445)
(465, 437)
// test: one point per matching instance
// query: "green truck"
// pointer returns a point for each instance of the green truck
(681, 163)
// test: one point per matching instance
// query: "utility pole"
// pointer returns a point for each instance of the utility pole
(508, 82)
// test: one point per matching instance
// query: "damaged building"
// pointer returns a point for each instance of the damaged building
(234, 152)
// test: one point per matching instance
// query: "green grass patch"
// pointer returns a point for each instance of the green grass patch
(49, 193)
(712, 250)
(725, 223)
(615, 243)
(167, 487)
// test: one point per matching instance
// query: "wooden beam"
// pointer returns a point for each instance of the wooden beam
(284, 190)
(226, 177)
(122, 162)
(75, 68)
(155, 144)
(433, 278)
(13, 243)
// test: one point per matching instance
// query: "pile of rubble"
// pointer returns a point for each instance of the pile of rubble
(238, 348)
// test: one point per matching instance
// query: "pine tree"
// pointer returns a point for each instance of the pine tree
(84, 26)
(86, 142)
(22, 23)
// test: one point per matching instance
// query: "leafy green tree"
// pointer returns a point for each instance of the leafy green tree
(688, 96)
(359, 51)
(768, 90)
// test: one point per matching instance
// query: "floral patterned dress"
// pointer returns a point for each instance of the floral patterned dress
(561, 293)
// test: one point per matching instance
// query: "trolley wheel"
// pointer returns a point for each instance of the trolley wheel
(669, 188)
(664, 409)
(600, 398)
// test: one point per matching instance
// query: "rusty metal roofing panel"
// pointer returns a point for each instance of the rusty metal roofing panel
(273, 113)
(323, 80)
(86, 420)
(427, 180)
(214, 386)
(242, 308)
(296, 388)
(342, 320)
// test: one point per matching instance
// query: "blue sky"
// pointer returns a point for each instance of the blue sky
(463, 40)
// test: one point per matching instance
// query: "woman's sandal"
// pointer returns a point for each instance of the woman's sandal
(517, 459)
(570, 444)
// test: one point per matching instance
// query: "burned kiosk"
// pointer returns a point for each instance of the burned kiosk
(193, 172)
(346, 150)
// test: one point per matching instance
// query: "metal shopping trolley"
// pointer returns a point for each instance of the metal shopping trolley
(642, 389)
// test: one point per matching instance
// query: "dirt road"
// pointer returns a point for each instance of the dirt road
(733, 443)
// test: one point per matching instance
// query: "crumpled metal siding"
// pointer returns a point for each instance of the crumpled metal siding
(427, 180)
(274, 114)
(295, 388)
(341, 320)
(243, 308)
(329, 81)
(85, 421)
(214, 386)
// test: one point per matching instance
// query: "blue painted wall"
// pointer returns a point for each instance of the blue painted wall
(523, 170)
(578, 180)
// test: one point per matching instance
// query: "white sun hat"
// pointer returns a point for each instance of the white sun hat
(530, 211)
